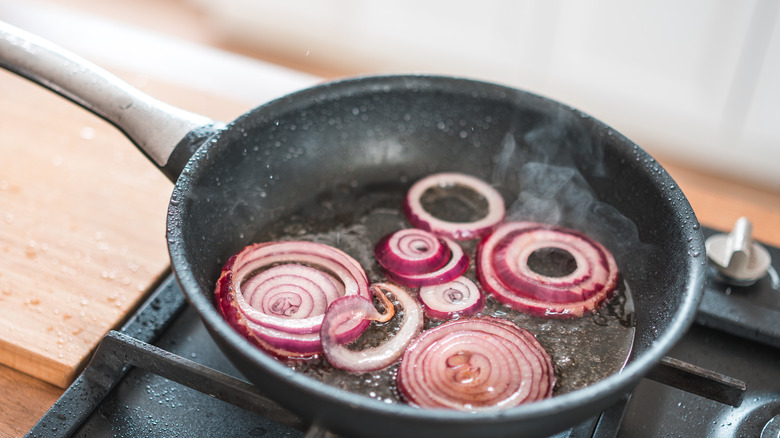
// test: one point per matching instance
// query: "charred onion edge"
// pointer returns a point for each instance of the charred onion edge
(353, 307)
(511, 368)
(438, 305)
(420, 218)
(281, 336)
(411, 251)
(528, 294)
(455, 267)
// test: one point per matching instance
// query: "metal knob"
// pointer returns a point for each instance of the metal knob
(736, 256)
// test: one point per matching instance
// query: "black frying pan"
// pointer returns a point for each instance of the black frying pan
(352, 136)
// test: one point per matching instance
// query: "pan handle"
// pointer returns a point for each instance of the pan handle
(166, 134)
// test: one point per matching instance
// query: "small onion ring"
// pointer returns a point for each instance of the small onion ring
(459, 297)
(420, 218)
(475, 364)
(502, 270)
(455, 267)
(411, 251)
(314, 271)
(350, 308)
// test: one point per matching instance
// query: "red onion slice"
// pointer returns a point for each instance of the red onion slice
(289, 297)
(475, 364)
(455, 267)
(348, 309)
(502, 269)
(420, 218)
(411, 251)
(276, 294)
(459, 297)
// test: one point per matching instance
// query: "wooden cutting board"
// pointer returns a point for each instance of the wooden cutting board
(82, 225)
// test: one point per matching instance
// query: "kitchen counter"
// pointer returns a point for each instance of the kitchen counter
(201, 79)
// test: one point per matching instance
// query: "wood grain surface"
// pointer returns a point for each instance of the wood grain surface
(82, 236)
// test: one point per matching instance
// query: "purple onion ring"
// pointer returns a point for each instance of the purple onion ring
(420, 218)
(276, 294)
(459, 297)
(475, 364)
(411, 251)
(502, 270)
(351, 308)
(455, 267)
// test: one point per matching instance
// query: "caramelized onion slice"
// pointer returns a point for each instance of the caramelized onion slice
(419, 217)
(347, 310)
(475, 364)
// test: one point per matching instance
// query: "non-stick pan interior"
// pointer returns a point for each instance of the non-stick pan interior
(550, 162)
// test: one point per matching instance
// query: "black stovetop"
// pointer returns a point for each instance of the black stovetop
(737, 334)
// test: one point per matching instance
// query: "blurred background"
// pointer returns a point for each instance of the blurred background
(693, 82)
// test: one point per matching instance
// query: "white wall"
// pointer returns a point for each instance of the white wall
(693, 80)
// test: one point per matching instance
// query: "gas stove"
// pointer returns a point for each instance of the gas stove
(162, 375)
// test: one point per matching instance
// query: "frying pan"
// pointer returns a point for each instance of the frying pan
(232, 181)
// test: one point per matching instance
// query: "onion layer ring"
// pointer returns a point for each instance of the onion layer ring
(475, 364)
(456, 265)
(350, 308)
(411, 251)
(276, 294)
(502, 269)
(420, 218)
(459, 297)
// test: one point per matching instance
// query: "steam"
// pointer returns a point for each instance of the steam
(553, 191)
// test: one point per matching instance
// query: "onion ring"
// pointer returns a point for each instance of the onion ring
(456, 298)
(456, 265)
(411, 251)
(350, 308)
(502, 270)
(276, 293)
(475, 364)
(420, 218)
